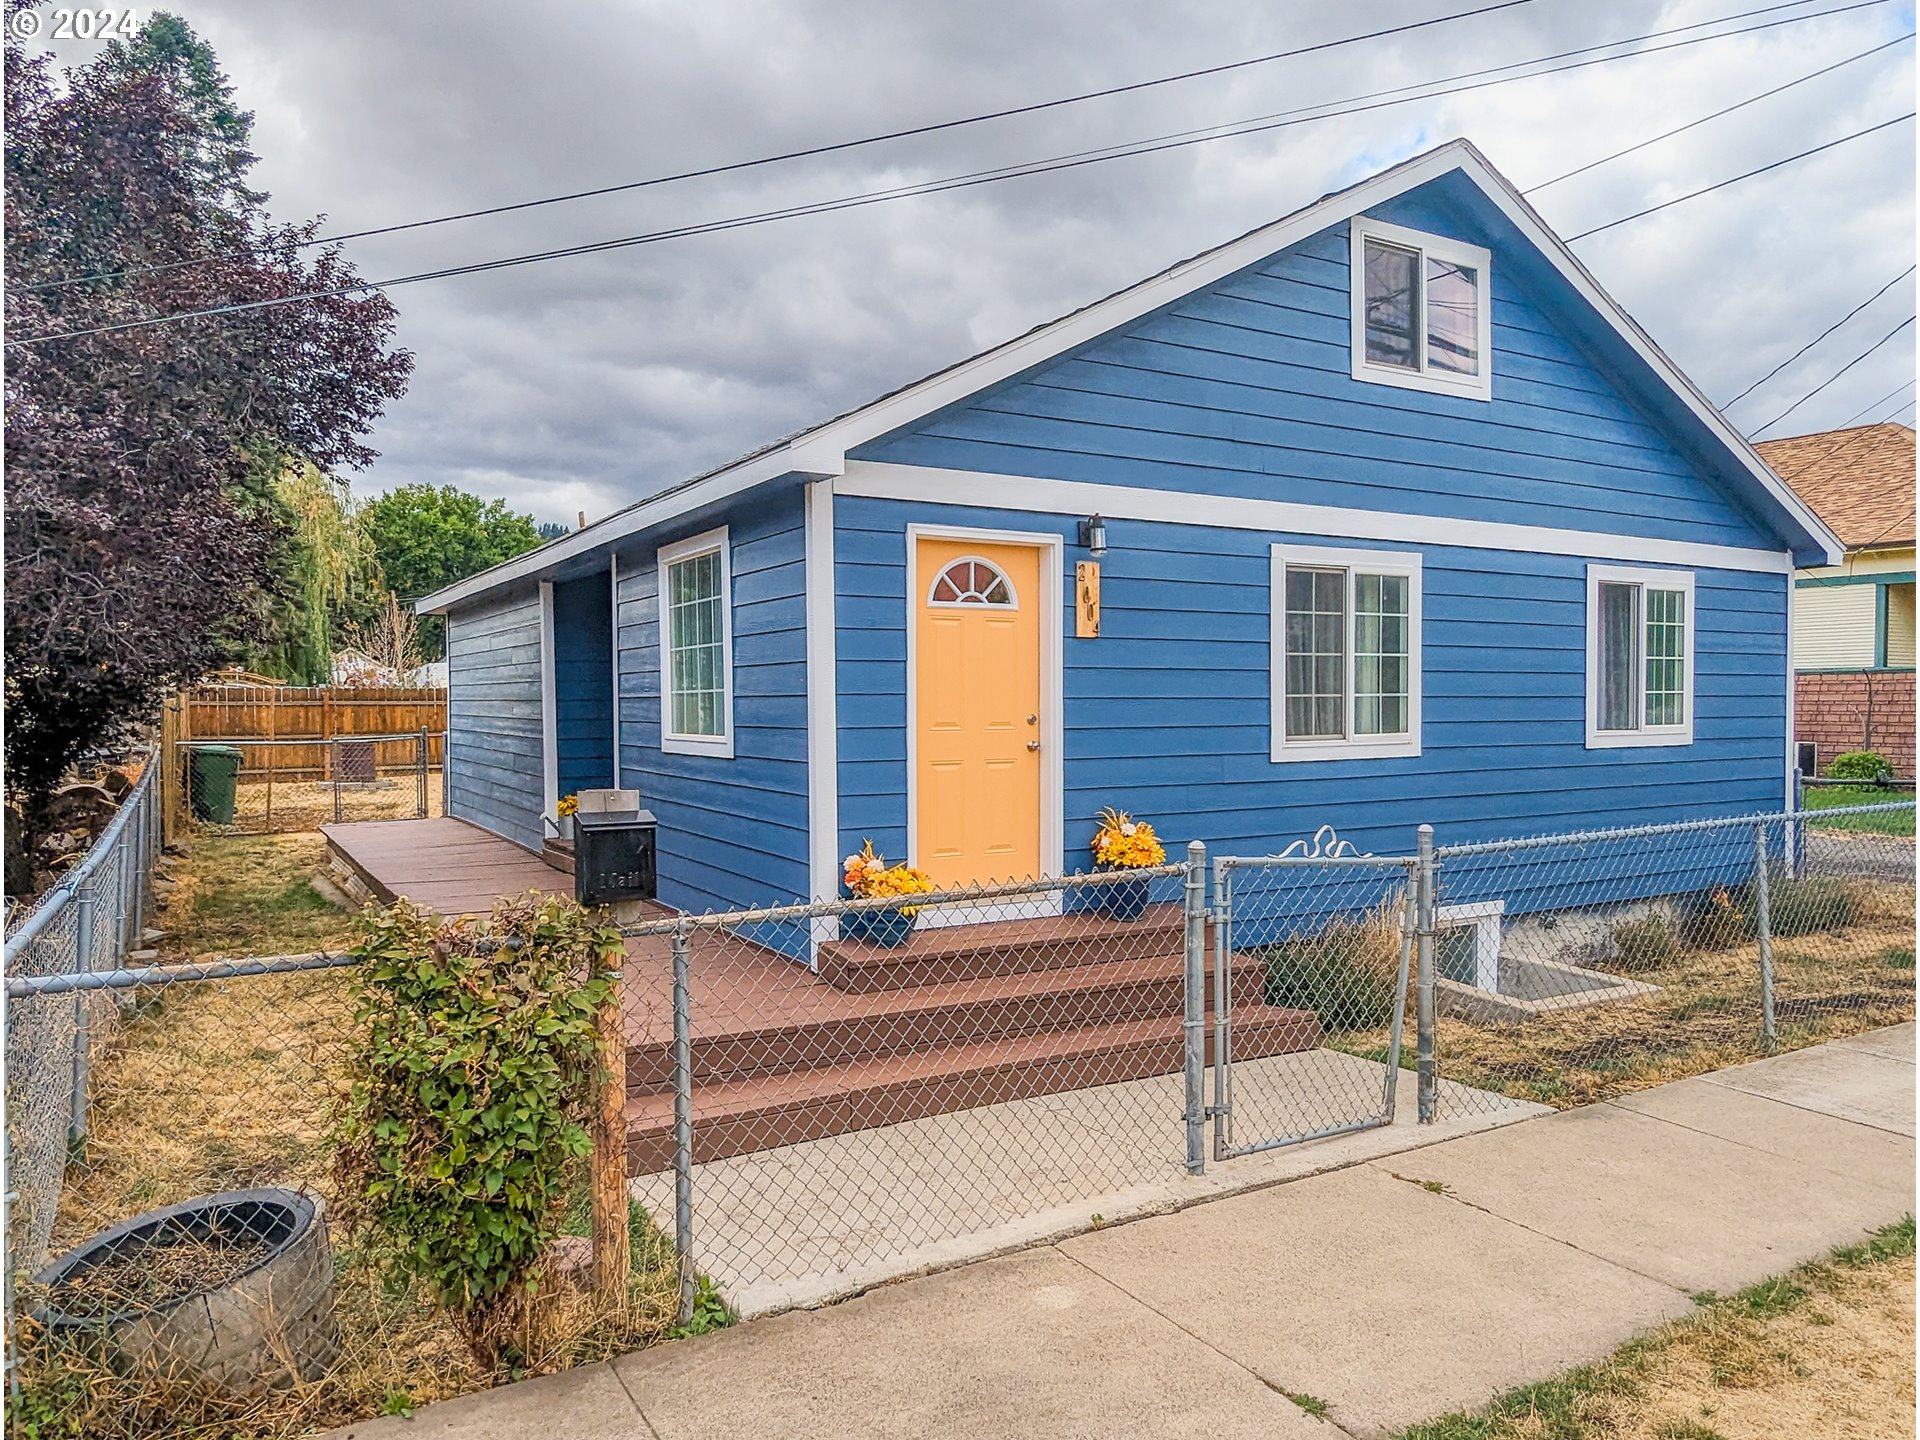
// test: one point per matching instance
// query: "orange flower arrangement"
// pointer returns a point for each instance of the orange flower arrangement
(1124, 843)
(868, 875)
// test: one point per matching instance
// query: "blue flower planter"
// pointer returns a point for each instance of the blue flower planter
(886, 926)
(1124, 899)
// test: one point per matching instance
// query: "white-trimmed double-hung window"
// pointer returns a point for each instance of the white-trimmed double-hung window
(1639, 657)
(696, 646)
(1422, 312)
(1346, 653)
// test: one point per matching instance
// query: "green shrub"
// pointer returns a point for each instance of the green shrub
(474, 1076)
(1648, 943)
(1863, 765)
(1347, 973)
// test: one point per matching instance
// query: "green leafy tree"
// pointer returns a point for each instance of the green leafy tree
(424, 538)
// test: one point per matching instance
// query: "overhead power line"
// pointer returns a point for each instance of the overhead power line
(1818, 338)
(1904, 385)
(885, 137)
(1724, 110)
(844, 145)
(1835, 376)
(1747, 175)
(1083, 158)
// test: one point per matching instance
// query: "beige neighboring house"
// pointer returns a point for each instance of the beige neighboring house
(1853, 623)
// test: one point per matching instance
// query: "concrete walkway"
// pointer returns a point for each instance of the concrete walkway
(1391, 1291)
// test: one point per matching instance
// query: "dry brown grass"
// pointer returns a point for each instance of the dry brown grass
(1827, 1351)
(223, 1084)
(1705, 1016)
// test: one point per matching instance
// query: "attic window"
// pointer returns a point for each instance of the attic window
(1421, 317)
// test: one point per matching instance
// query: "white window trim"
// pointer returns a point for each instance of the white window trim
(710, 542)
(1485, 916)
(1646, 735)
(1372, 562)
(1476, 387)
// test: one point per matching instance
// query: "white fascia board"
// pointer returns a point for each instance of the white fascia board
(1527, 220)
(720, 485)
(873, 480)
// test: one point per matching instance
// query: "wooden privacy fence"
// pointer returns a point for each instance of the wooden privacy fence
(281, 716)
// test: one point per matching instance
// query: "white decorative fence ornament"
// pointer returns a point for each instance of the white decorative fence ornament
(1325, 845)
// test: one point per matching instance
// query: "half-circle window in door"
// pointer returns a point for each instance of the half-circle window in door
(973, 581)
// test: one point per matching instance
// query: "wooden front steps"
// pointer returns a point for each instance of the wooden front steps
(738, 1117)
(959, 1017)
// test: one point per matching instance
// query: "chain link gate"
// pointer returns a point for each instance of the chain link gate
(1312, 951)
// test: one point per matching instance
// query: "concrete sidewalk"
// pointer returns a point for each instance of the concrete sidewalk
(1391, 1291)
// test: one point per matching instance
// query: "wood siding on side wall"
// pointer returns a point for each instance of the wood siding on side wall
(733, 831)
(494, 775)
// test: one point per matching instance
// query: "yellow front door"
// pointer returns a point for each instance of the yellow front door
(977, 720)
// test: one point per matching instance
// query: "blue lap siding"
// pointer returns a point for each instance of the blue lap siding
(1245, 389)
(495, 775)
(733, 832)
(1168, 712)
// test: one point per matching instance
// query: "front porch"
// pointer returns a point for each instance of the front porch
(958, 1018)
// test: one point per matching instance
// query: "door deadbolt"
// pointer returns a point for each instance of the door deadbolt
(1033, 719)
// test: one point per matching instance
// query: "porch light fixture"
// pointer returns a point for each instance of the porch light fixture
(1093, 535)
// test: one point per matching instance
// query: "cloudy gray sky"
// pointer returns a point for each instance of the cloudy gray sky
(584, 383)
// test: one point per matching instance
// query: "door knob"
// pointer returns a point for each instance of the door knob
(1033, 744)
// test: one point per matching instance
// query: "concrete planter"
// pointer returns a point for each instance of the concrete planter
(262, 1327)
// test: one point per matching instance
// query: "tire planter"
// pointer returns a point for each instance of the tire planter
(1123, 899)
(259, 1327)
(888, 926)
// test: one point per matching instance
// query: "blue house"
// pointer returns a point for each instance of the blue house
(1383, 513)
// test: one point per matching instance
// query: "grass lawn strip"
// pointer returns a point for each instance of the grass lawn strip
(1836, 797)
(1826, 1350)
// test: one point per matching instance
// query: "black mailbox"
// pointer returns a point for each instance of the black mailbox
(613, 856)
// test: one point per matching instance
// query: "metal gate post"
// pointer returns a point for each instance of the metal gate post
(1399, 1030)
(420, 800)
(1222, 1010)
(1763, 922)
(683, 1126)
(1194, 1027)
(1423, 946)
(83, 927)
(333, 752)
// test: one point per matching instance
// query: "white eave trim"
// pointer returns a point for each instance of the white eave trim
(873, 480)
(823, 450)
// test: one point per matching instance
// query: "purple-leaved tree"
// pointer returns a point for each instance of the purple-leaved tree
(140, 536)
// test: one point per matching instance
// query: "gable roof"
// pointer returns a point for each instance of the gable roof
(1859, 481)
(821, 450)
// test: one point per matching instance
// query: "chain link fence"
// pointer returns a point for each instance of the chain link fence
(845, 1090)
(262, 786)
(821, 1096)
(1569, 969)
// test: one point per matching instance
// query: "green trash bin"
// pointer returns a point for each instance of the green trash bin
(212, 773)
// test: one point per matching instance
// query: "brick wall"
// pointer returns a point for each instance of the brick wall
(1836, 711)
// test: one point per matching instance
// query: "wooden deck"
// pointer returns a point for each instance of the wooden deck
(958, 1018)
(444, 864)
